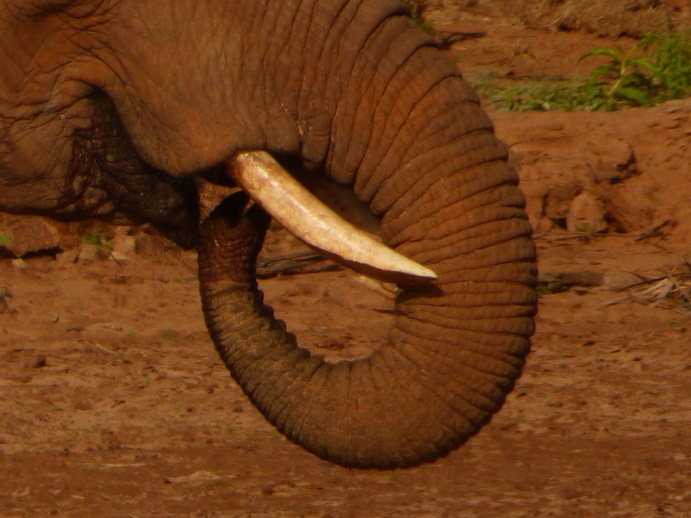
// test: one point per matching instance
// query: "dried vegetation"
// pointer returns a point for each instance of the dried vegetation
(611, 18)
(670, 289)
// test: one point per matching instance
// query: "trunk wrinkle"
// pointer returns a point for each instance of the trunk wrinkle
(512, 360)
(382, 370)
(403, 371)
(474, 400)
(472, 369)
(477, 180)
(364, 77)
(397, 119)
(484, 212)
(474, 238)
(475, 366)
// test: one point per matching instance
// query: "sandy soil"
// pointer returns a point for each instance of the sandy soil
(114, 402)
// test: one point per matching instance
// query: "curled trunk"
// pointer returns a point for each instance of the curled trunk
(411, 139)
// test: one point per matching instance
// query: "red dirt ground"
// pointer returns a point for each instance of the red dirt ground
(114, 402)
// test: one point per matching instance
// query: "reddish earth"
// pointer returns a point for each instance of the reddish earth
(114, 402)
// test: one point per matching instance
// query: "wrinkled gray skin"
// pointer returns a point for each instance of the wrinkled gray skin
(109, 108)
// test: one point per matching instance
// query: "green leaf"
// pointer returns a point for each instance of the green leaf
(615, 53)
(602, 72)
(636, 95)
(643, 61)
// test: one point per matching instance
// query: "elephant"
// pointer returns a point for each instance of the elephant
(112, 109)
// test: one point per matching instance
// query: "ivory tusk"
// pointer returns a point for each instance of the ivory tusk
(310, 220)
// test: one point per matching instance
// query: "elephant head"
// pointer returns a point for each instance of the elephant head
(111, 107)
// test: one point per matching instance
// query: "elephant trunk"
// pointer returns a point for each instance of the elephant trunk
(452, 356)
(411, 139)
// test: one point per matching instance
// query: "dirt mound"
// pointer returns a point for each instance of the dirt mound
(634, 164)
(610, 18)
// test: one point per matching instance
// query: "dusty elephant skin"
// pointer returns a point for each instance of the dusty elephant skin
(109, 108)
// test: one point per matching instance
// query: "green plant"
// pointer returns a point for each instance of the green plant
(621, 81)
(101, 239)
(415, 11)
(544, 288)
(540, 94)
(671, 55)
(170, 334)
(655, 69)
(5, 240)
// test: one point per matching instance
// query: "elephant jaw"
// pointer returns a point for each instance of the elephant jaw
(310, 220)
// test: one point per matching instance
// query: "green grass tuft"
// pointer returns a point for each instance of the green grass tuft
(654, 70)
(101, 239)
(540, 94)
